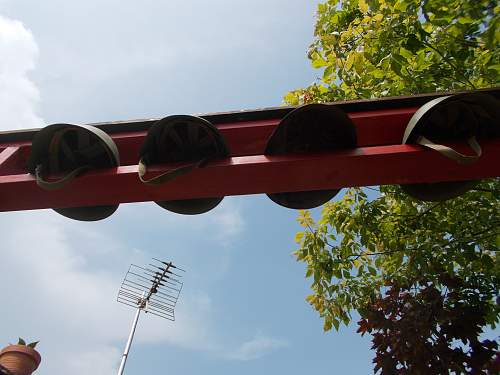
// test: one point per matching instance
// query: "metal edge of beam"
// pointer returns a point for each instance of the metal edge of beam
(395, 164)
(393, 102)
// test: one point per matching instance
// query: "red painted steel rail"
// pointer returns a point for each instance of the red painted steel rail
(243, 137)
(379, 159)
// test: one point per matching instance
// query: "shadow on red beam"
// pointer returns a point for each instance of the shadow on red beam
(377, 127)
(379, 165)
(378, 122)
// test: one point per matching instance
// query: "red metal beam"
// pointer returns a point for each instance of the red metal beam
(394, 164)
(377, 122)
(380, 127)
(379, 159)
(11, 160)
(377, 127)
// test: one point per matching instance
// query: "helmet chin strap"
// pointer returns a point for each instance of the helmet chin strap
(63, 152)
(57, 144)
(472, 114)
(57, 184)
(168, 175)
(186, 140)
(451, 153)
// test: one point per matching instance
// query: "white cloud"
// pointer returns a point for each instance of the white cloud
(60, 277)
(257, 347)
(100, 361)
(57, 295)
(18, 95)
(188, 331)
(222, 224)
(152, 58)
(228, 220)
(58, 298)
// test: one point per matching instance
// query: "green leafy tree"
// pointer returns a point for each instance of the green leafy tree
(374, 48)
(361, 249)
(360, 245)
(390, 258)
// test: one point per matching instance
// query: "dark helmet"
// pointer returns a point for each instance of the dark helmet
(467, 117)
(70, 150)
(310, 128)
(182, 138)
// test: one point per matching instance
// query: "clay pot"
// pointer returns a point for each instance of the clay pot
(20, 359)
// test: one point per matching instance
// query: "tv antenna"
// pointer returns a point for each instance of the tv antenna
(152, 289)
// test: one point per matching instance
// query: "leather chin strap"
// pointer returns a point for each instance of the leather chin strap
(180, 171)
(451, 153)
(169, 175)
(57, 143)
(58, 184)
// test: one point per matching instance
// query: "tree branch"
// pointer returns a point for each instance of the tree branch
(471, 239)
(424, 12)
(449, 63)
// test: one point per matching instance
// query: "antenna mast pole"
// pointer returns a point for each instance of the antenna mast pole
(129, 342)
(157, 297)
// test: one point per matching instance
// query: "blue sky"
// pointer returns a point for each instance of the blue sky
(242, 309)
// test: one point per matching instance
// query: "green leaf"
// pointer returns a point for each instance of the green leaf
(378, 73)
(465, 20)
(363, 6)
(405, 53)
(21, 342)
(33, 344)
(399, 59)
(350, 61)
(327, 325)
(291, 98)
(337, 273)
(361, 270)
(328, 72)
(359, 63)
(397, 63)
(401, 5)
(413, 43)
(336, 324)
(493, 33)
(487, 262)
(319, 62)
(299, 236)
